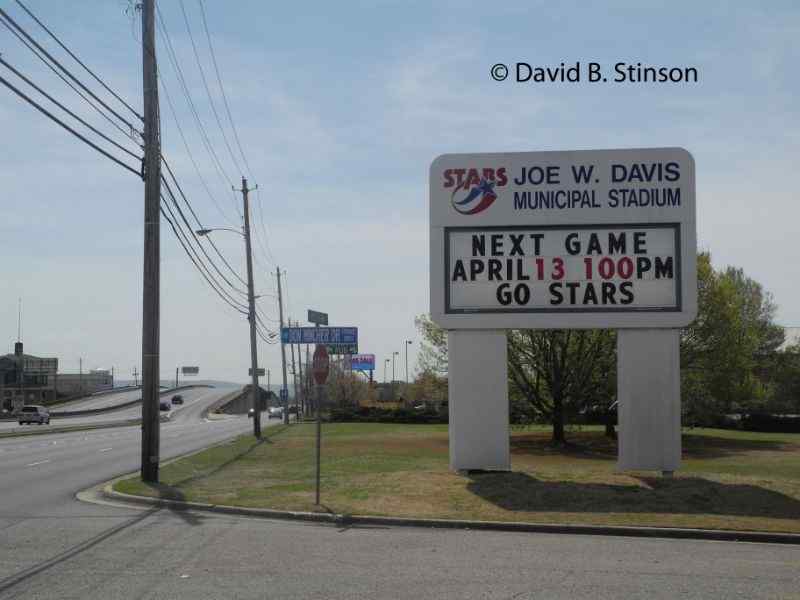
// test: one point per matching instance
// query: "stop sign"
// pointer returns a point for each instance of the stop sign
(321, 364)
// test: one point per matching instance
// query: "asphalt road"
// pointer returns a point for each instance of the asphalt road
(131, 412)
(53, 546)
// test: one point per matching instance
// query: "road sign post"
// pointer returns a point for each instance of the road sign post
(320, 369)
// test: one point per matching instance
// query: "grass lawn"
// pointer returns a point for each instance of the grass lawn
(729, 480)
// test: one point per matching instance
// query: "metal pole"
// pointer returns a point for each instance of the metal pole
(251, 300)
(176, 376)
(319, 438)
(308, 379)
(303, 386)
(283, 354)
(151, 274)
(294, 375)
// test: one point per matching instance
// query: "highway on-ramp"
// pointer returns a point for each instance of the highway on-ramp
(108, 402)
(54, 546)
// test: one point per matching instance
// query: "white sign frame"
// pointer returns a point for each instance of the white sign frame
(554, 172)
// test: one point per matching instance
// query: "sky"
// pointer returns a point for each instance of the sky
(340, 109)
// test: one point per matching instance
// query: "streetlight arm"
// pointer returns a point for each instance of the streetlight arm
(202, 232)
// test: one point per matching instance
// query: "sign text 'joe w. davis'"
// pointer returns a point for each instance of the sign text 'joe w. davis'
(599, 238)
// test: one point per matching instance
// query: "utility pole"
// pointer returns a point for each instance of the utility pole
(135, 374)
(152, 252)
(294, 373)
(80, 376)
(283, 353)
(176, 376)
(303, 388)
(308, 379)
(251, 300)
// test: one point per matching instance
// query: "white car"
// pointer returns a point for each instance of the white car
(34, 414)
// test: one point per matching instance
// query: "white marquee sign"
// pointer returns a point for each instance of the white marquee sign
(586, 239)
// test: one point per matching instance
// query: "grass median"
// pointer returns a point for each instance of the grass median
(729, 480)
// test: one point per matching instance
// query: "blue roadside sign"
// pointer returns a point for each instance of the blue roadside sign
(329, 336)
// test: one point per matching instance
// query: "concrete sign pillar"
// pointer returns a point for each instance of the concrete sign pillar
(478, 400)
(648, 390)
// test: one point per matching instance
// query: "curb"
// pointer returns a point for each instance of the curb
(519, 527)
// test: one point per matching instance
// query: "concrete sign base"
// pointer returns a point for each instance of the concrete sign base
(478, 400)
(648, 390)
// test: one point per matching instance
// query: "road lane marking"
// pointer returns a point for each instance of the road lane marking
(105, 449)
(41, 462)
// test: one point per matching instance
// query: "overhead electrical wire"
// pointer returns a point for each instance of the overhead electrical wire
(191, 155)
(67, 127)
(172, 56)
(67, 110)
(178, 236)
(209, 276)
(66, 71)
(80, 62)
(197, 241)
(208, 90)
(166, 210)
(130, 133)
(197, 220)
(222, 88)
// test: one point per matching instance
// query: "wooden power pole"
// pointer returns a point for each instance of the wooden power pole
(150, 288)
(251, 304)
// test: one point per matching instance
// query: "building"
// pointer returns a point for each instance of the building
(78, 384)
(26, 379)
(792, 337)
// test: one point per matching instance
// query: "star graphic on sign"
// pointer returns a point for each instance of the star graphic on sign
(486, 186)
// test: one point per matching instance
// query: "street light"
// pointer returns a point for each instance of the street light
(407, 344)
(251, 305)
(385, 364)
(393, 355)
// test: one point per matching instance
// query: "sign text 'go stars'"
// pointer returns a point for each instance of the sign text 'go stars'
(573, 239)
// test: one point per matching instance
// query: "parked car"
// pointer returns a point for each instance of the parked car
(34, 414)
(165, 405)
(276, 412)
(177, 399)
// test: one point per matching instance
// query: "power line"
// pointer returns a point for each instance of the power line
(185, 88)
(185, 249)
(222, 88)
(191, 155)
(265, 248)
(199, 260)
(67, 110)
(194, 235)
(5, 15)
(78, 60)
(208, 91)
(129, 133)
(67, 127)
(197, 220)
